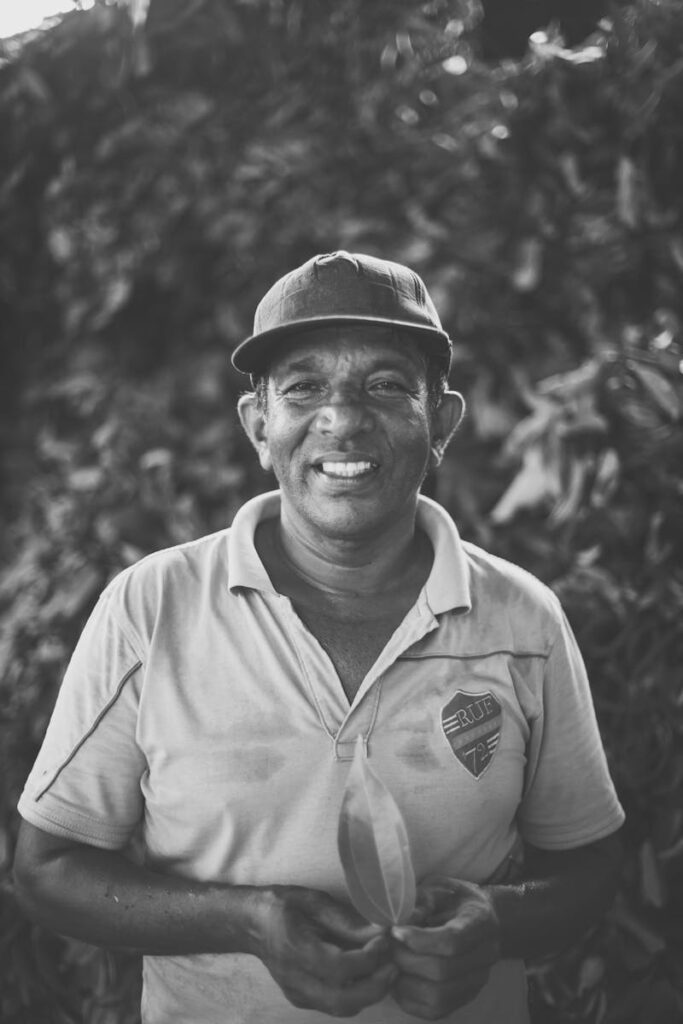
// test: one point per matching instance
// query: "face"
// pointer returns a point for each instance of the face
(347, 430)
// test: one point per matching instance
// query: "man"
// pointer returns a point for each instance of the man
(217, 692)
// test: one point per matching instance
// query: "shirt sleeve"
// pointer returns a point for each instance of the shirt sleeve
(85, 783)
(569, 798)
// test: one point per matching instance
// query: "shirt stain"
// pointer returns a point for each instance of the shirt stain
(417, 750)
(256, 763)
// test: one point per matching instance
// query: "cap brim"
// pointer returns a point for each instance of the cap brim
(253, 354)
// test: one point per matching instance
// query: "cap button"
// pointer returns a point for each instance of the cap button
(333, 257)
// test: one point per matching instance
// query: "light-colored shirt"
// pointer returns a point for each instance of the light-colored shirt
(200, 710)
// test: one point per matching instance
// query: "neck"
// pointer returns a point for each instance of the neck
(345, 567)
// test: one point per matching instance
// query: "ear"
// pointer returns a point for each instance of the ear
(253, 422)
(445, 423)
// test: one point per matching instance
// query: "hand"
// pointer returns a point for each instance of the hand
(445, 955)
(322, 954)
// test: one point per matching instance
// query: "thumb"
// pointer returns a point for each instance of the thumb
(426, 941)
(346, 925)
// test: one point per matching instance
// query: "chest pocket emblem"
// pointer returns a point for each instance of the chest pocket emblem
(471, 723)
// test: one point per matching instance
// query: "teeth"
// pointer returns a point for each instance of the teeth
(346, 469)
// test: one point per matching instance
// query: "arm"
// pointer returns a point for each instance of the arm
(320, 953)
(100, 897)
(562, 895)
(465, 928)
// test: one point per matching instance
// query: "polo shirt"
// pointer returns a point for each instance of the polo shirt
(199, 711)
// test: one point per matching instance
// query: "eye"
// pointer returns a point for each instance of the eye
(388, 387)
(301, 389)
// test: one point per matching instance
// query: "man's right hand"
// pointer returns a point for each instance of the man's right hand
(322, 954)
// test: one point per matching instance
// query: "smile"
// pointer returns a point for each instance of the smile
(347, 470)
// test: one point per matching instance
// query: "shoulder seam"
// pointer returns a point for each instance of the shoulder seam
(479, 654)
(110, 703)
(112, 598)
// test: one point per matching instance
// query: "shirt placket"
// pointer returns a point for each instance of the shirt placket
(342, 723)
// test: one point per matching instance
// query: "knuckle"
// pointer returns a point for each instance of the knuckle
(452, 942)
(441, 969)
(480, 978)
(415, 996)
(295, 998)
(340, 1006)
(401, 956)
(335, 968)
(425, 1011)
(435, 1012)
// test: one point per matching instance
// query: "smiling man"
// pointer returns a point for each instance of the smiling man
(214, 700)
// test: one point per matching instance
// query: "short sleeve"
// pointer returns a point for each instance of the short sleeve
(85, 783)
(569, 798)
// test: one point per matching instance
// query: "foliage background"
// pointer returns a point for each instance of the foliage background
(160, 168)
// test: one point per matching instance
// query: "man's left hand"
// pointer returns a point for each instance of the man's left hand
(444, 958)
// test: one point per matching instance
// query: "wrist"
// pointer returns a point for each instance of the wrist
(496, 897)
(508, 902)
(241, 925)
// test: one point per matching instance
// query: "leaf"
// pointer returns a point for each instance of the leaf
(545, 48)
(627, 189)
(606, 478)
(651, 885)
(591, 973)
(529, 266)
(658, 387)
(374, 848)
(647, 937)
(536, 481)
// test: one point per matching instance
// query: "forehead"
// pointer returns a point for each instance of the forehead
(354, 346)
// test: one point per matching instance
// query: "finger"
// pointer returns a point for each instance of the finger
(346, 925)
(435, 893)
(440, 968)
(429, 1001)
(340, 1001)
(437, 941)
(366, 991)
(452, 938)
(343, 966)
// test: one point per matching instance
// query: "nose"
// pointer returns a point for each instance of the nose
(344, 414)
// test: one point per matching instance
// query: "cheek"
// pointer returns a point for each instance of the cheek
(280, 448)
(412, 433)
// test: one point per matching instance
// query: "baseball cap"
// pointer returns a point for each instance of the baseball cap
(342, 288)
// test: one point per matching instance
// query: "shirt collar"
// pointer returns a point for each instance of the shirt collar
(245, 568)
(448, 584)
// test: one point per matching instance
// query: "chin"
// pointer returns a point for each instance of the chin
(351, 527)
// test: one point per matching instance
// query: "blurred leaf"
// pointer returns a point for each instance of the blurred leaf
(658, 387)
(527, 272)
(606, 478)
(536, 482)
(138, 10)
(591, 973)
(650, 940)
(650, 876)
(627, 201)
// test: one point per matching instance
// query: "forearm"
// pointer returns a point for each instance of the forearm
(562, 895)
(100, 897)
(321, 953)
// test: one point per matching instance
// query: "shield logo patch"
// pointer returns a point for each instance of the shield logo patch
(471, 723)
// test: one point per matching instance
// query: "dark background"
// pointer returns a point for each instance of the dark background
(156, 179)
